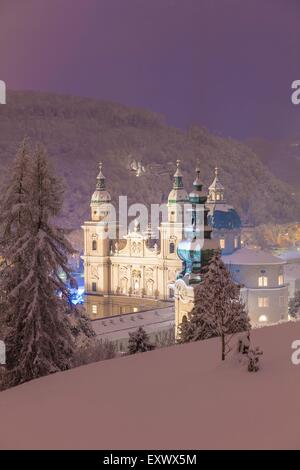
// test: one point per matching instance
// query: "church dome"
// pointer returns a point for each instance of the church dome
(178, 193)
(189, 250)
(223, 216)
(100, 196)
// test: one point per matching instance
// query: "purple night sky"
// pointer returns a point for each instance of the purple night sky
(225, 64)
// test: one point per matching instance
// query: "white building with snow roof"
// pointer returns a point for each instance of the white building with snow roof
(261, 275)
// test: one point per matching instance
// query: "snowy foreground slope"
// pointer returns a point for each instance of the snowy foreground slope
(178, 397)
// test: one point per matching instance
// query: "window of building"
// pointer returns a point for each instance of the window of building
(263, 318)
(218, 197)
(94, 245)
(172, 247)
(236, 242)
(263, 302)
(94, 308)
(280, 279)
(262, 281)
(222, 243)
(94, 286)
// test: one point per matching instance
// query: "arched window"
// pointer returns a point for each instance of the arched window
(222, 243)
(184, 319)
(263, 302)
(94, 245)
(263, 318)
(262, 281)
(172, 247)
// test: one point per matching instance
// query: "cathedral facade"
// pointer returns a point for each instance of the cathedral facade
(133, 267)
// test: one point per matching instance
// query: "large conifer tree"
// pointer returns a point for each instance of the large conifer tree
(218, 310)
(35, 251)
(14, 218)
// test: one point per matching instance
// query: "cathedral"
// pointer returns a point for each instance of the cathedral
(126, 270)
(128, 273)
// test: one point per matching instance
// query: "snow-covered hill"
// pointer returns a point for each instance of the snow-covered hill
(180, 397)
(78, 132)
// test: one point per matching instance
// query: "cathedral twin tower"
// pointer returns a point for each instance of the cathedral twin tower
(133, 266)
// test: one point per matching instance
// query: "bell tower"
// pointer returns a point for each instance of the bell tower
(216, 189)
(225, 220)
(171, 232)
(98, 233)
(101, 200)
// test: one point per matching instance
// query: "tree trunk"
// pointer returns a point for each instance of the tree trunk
(223, 346)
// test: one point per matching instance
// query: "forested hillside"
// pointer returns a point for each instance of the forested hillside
(79, 132)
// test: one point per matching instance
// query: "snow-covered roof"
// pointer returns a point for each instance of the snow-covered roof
(248, 256)
(290, 255)
(222, 207)
(223, 216)
(118, 326)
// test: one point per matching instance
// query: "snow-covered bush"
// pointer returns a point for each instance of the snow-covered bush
(294, 305)
(139, 342)
(253, 359)
(165, 338)
(97, 350)
(2, 378)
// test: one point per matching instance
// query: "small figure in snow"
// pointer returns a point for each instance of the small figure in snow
(253, 359)
(244, 343)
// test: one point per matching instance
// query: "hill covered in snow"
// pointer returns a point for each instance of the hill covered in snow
(79, 132)
(180, 397)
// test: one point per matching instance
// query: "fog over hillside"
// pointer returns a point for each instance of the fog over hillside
(79, 132)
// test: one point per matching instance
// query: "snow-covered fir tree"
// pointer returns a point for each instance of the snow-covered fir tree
(139, 341)
(35, 251)
(14, 218)
(218, 310)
